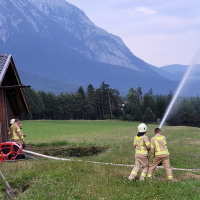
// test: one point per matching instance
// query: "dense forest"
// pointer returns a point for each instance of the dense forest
(106, 103)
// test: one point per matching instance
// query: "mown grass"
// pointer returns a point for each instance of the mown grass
(48, 179)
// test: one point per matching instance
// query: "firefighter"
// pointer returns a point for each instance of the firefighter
(9, 129)
(20, 126)
(142, 145)
(160, 154)
(12, 121)
(15, 133)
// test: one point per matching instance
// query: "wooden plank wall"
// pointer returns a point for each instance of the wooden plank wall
(3, 116)
(2, 124)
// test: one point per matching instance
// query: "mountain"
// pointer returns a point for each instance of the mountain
(58, 43)
(176, 72)
(48, 84)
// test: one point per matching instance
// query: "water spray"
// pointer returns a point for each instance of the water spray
(180, 88)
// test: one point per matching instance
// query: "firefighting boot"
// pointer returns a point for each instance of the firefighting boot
(142, 177)
(132, 175)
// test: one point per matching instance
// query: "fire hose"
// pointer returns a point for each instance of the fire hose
(124, 165)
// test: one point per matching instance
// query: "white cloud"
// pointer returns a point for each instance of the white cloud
(144, 10)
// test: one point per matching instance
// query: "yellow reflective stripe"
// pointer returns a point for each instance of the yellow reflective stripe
(14, 138)
(133, 172)
(143, 174)
(157, 145)
(149, 175)
(161, 152)
(141, 145)
(170, 177)
(147, 143)
(165, 144)
(152, 146)
(159, 138)
(141, 152)
(137, 138)
(18, 130)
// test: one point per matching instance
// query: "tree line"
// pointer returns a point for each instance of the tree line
(186, 112)
(106, 103)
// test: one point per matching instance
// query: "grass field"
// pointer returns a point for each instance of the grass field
(49, 179)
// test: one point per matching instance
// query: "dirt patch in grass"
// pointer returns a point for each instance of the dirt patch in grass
(165, 179)
(191, 175)
(196, 142)
(25, 187)
(184, 176)
(187, 175)
(66, 151)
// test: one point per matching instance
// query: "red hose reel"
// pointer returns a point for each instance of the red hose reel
(11, 151)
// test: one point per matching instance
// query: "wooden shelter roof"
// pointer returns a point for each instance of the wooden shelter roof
(10, 82)
(3, 59)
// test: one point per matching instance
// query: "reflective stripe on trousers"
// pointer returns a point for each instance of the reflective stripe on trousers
(134, 173)
(143, 174)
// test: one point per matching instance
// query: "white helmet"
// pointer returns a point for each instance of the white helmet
(12, 121)
(142, 128)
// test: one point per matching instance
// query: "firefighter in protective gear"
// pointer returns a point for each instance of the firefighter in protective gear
(15, 133)
(12, 121)
(160, 154)
(9, 129)
(142, 145)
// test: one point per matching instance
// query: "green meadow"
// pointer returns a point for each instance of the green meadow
(51, 179)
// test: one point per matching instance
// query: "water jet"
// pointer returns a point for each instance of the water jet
(187, 73)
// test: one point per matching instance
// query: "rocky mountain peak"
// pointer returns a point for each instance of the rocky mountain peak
(44, 17)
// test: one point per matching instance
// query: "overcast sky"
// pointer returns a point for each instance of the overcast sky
(160, 32)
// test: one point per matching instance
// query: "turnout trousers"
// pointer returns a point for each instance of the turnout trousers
(166, 164)
(140, 160)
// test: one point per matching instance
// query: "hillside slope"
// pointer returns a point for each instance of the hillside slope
(56, 40)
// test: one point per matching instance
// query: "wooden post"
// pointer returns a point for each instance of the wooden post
(9, 189)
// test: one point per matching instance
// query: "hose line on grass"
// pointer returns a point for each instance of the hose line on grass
(124, 165)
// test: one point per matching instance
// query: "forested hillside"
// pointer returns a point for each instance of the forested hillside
(106, 103)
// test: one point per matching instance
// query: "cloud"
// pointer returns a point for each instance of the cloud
(144, 10)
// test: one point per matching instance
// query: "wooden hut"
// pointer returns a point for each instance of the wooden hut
(12, 99)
